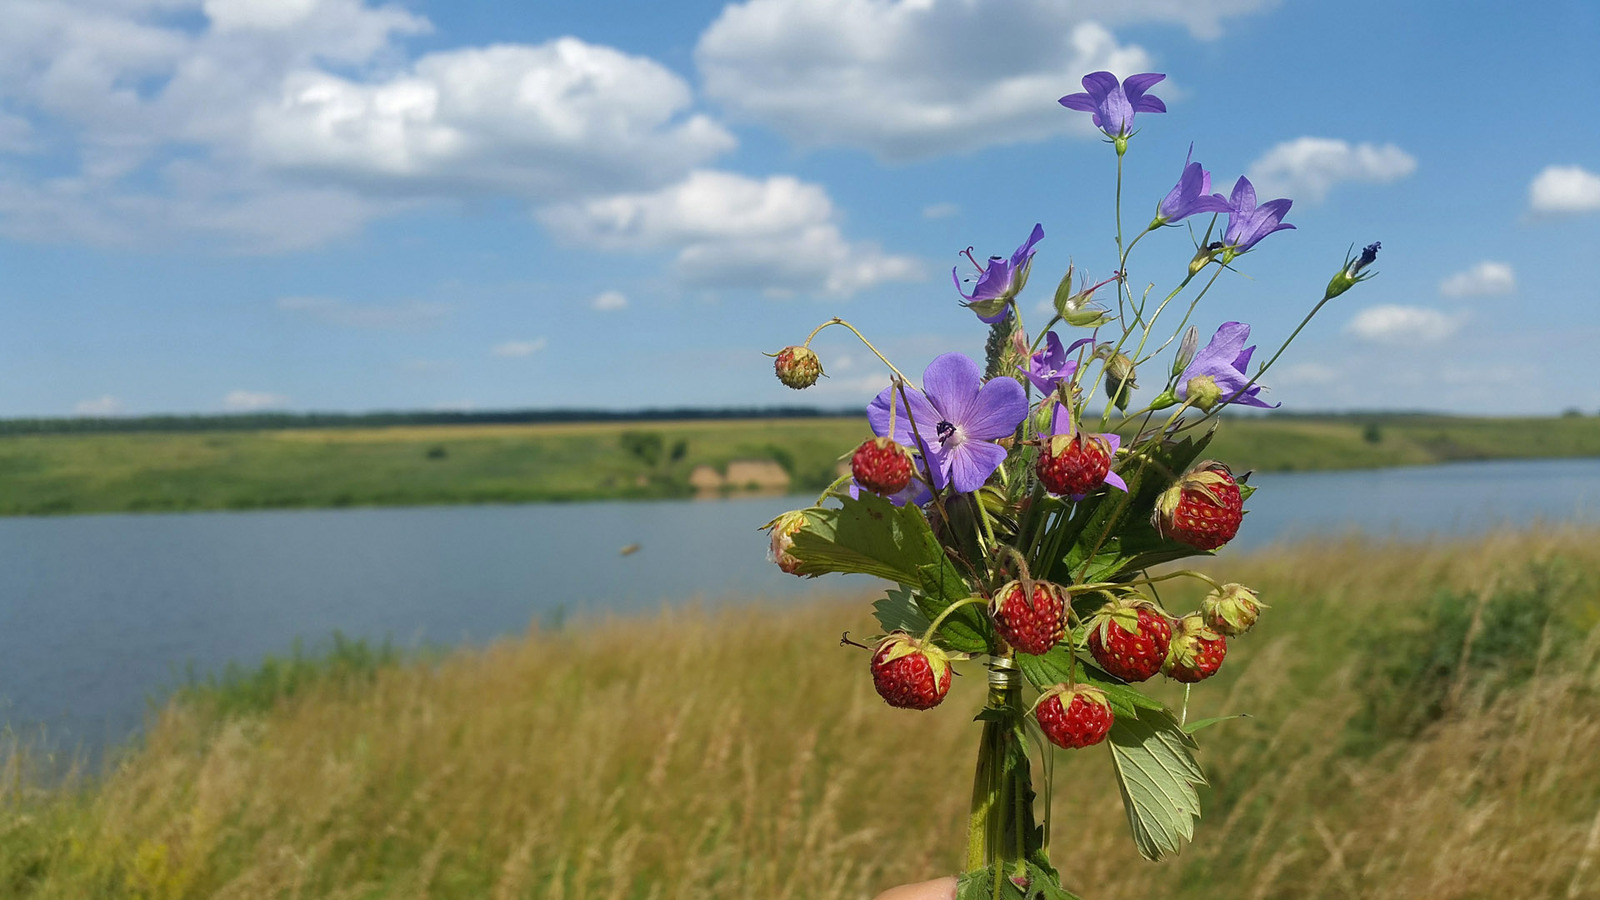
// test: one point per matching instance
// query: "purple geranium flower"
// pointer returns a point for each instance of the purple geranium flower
(1224, 361)
(1050, 366)
(1249, 223)
(1191, 195)
(1000, 281)
(1061, 423)
(956, 420)
(1113, 104)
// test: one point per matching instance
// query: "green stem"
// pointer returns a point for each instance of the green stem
(838, 321)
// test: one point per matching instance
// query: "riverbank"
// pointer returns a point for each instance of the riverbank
(50, 474)
(1422, 726)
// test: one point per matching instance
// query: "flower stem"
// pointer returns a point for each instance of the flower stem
(838, 321)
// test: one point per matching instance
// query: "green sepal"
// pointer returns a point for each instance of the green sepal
(991, 714)
(1158, 775)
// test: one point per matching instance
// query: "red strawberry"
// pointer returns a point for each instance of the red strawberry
(798, 367)
(1074, 718)
(1030, 627)
(1231, 609)
(910, 674)
(881, 466)
(1201, 509)
(1130, 640)
(1196, 652)
(1075, 464)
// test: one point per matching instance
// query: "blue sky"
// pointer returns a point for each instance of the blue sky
(338, 205)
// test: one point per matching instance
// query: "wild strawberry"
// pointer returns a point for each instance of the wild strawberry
(1231, 609)
(1030, 627)
(1074, 718)
(1196, 652)
(781, 532)
(1074, 465)
(881, 466)
(798, 367)
(1130, 640)
(1202, 508)
(910, 674)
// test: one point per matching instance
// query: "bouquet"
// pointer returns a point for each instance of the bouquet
(1026, 509)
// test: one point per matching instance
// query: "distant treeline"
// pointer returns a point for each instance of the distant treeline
(267, 421)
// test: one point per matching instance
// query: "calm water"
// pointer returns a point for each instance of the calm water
(99, 613)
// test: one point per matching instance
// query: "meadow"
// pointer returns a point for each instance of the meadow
(410, 465)
(1423, 724)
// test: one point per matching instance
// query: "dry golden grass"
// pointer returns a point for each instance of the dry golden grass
(743, 754)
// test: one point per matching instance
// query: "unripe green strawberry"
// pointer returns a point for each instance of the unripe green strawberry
(1202, 509)
(1030, 626)
(1196, 652)
(882, 466)
(781, 532)
(1130, 639)
(1074, 718)
(910, 674)
(1231, 609)
(798, 367)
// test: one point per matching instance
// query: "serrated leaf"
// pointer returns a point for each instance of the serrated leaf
(1051, 669)
(1192, 727)
(1157, 774)
(899, 612)
(867, 536)
(967, 630)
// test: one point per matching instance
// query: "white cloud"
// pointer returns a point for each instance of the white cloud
(270, 125)
(253, 401)
(1307, 168)
(405, 316)
(1403, 324)
(106, 405)
(1486, 279)
(1564, 190)
(776, 234)
(517, 349)
(907, 79)
(609, 301)
(1307, 373)
(940, 210)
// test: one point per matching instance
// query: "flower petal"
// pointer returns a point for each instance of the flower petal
(1000, 406)
(1101, 84)
(927, 417)
(973, 462)
(1079, 102)
(1136, 85)
(1026, 250)
(1244, 196)
(951, 382)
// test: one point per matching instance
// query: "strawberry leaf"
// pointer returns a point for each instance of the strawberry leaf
(869, 536)
(1192, 727)
(899, 612)
(1157, 773)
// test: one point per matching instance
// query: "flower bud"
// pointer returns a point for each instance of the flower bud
(1075, 308)
(1186, 350)
(1203, 392)
(1351, 275)
(798, 367)
(1231, 609)
(1120, 378)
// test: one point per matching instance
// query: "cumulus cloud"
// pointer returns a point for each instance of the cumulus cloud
(1564, 190)
(609, 301)
(405, 316)
(1307, 168)
(1486, 279)
(907, 79)
(518, 349)
(253, 401)
(729, 231)
(105, 405)
(267, 125)
(1403, 324)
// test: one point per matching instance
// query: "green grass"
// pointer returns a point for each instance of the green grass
(1422, 726)
(419, 465)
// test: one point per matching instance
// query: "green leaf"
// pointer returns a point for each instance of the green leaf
(968, 629)
(1051, 669)
(1192, 727)
(1157, 774)
(1042, 885)
(869, 536)
(899, 612)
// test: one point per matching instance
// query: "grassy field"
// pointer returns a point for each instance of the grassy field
(1424, 725)
(166, 471)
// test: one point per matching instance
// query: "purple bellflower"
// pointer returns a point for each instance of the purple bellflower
(1191, 195)
(957, 420)
(1223, 362)
(1114, 105)
(1249, 223)
(1061, 423)
(1050, 367)
(1000, 281)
